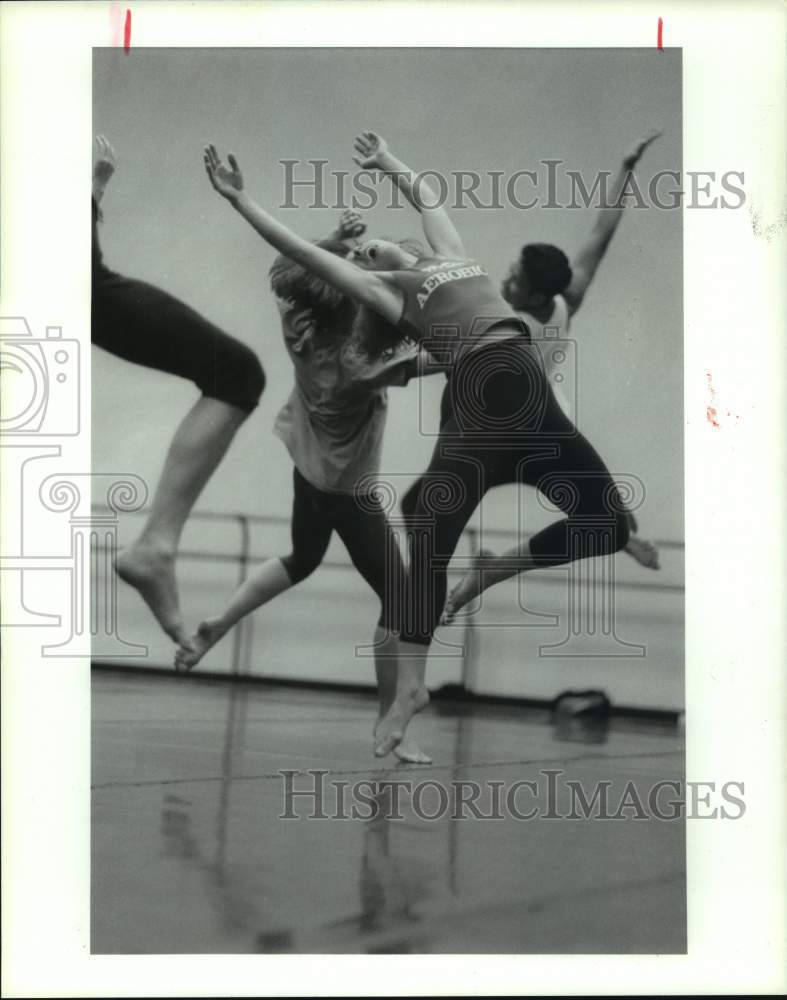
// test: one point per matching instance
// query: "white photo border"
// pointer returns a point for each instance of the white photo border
(733, 118)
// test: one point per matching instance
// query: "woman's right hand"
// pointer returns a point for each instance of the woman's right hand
(227, 180)
(371, 148)
(632, 158)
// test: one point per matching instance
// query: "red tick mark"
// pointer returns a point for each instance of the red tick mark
(660, 36)
(127, 32)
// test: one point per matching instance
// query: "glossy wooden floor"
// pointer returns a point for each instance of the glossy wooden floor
(189, 855)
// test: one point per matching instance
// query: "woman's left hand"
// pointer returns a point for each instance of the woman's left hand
(632, 158)
(106, 161)
(371, 148)
(351, 226)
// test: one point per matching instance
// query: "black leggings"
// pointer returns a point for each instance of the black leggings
(140, 323)
(410, 497)
(362, 525)
(505, 427)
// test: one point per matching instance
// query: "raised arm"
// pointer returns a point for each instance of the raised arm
(103, 168)
(586, 262)
(373, 153)
(366, 287)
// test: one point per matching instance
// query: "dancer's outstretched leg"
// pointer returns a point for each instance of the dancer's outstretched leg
(586, 493)
(148, 564)
(386, 647)
(271, 580)
(488, 569)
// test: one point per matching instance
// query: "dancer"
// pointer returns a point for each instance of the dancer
(143, 324)
(546, 291)
(332, 425)
(506, 424)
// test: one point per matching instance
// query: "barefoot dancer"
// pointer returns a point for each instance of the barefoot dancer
(506, 425)
(332, 426)
(546, 292)
(141, 323)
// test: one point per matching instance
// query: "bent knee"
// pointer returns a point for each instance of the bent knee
(246, 378)
(237, 375)
(254, 379)
(299, 568)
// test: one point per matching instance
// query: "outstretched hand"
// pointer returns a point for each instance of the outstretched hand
(370, 148)
(227, 180)
(106, 160)
(631, 159)
(351, 226)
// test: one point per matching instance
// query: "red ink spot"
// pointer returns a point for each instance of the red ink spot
(710, 411)
(660, 36)
(127, 32)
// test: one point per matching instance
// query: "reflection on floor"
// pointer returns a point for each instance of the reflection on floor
(191, 853)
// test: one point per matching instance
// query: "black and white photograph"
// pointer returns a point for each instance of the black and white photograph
(398, 561)
(413, 447)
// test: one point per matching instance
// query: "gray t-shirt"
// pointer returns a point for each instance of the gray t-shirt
(333, 422)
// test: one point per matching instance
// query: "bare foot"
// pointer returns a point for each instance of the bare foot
(468, 588)
(389, 731)
(408, 750)
(152, 574)
(644, 552)
(207, 635)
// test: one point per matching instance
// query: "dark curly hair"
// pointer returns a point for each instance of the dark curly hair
(546, 268)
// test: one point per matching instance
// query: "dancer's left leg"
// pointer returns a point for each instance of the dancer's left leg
(372, 546)
(457, 484)
(148, 564)
(147, 326)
